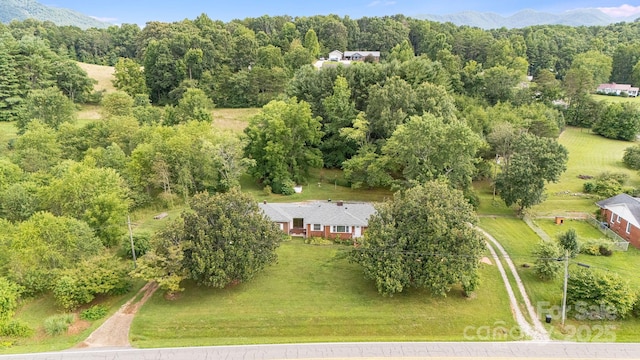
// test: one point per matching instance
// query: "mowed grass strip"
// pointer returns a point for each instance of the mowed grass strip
(589, 154)
(313, 294)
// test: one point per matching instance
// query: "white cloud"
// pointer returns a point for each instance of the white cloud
(104, 19)
(621, 11)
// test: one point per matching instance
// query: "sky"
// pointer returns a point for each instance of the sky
(141, 11)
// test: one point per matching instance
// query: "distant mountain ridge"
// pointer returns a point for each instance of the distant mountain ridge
(528, 17)
(25, 9)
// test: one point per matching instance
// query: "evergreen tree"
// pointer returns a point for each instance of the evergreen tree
(10, 89)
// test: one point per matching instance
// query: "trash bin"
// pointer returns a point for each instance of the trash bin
(547, 319)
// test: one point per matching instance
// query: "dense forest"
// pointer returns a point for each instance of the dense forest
(443, 103)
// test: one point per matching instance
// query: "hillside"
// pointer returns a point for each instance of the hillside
(25, 9)
(524, 18)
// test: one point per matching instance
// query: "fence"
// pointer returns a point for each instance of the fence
(620, 243)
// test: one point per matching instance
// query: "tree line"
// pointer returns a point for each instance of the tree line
(445, 104)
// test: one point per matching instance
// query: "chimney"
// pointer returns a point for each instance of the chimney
(340, 203)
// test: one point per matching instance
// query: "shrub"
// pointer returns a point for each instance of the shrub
(58, 324)
(631, 157)
(284, 187)
(314, 240)
(15, 328)
(636, 307)
(9, 295)
(102, 275)
(569, 241)
(597, 295)
(589, 187)
(606, 184)
(597, 247)
(94, 313)
(141, 244)
(547, 266)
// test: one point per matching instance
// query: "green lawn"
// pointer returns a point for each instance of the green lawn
(519, 241)
(589, 154)
(322, 185)
(608, 98)
(313, 294)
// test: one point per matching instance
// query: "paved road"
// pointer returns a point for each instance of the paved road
(441, 350)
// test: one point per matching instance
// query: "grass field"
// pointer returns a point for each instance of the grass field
(519, 241)
(234, 120)
(589, 154)
(313, 294)
(102, 74)
(615, 98)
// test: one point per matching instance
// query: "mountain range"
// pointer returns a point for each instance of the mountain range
(25, 9)
(524, 18)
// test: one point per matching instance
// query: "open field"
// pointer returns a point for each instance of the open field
(234, 120)
(608, 98)
(102, 74)
(313, 294)
(589, 154)
(519, 241)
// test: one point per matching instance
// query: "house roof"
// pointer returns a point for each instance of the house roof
(362, 53)
(614, 86)
(325, 213)
(627, 207)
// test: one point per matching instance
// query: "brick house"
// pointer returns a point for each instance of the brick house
(320, 219)
(622, 215)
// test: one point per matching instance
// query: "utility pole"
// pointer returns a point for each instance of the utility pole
(566, 277)
(133, 250)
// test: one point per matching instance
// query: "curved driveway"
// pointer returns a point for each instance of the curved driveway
(456, 350)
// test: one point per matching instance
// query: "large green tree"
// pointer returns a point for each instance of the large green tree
(45, 243)
(423, 238)
(10, 86)
(49, 105)
(98, 196)
(619, 121)
(129, 77)
(283, 140)
(534, 162)
(222, 239)
(427, 148)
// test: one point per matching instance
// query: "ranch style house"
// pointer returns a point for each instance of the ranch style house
(328, 219)
(617, 89)
(337, 55)
(622, 215)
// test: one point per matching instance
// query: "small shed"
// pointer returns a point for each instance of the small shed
(559, 220)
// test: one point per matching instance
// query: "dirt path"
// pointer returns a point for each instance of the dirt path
(535, 331)
(115, 331)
